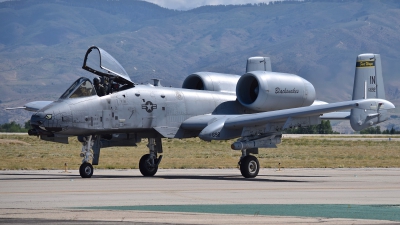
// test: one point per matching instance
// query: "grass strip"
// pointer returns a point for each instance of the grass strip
(28, 152)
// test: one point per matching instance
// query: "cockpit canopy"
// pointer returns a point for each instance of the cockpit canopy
(99, 62)
(80, 88)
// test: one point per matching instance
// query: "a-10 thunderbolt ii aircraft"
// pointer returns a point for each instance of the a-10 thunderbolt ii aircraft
(255, 108)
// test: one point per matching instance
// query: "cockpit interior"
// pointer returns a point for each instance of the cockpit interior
(112, 75)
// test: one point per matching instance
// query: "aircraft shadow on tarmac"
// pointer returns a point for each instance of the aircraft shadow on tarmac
(35, 176)
(231, 178)
(63, 176)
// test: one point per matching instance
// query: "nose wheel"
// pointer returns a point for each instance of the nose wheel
(86, 170)
(249, 166)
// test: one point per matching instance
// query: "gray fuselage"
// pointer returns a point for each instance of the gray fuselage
(135, 109)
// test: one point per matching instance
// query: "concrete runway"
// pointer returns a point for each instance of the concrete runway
(206, 196)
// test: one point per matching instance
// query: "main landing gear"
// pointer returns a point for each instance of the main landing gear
(249, 165)
(148, 164)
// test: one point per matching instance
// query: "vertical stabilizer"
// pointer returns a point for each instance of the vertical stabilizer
(368, 83)
(258, 64)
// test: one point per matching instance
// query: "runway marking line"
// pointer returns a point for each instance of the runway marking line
(374, 212)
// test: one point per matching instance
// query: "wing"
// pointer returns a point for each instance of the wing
(33, 106)
(315, 110)
(222, 127)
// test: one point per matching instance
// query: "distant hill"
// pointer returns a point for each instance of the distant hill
(42, 43)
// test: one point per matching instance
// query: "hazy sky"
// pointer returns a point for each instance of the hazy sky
(190, 4)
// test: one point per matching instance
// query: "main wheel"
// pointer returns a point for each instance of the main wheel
(146, 168)
(86, 170)
(249, 166)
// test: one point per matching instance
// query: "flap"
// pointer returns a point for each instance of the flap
(336, 116)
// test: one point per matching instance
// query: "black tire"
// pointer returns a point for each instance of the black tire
(249, 166)
(86, 170)
(145, 168)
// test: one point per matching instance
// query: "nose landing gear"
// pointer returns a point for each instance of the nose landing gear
(86, 169)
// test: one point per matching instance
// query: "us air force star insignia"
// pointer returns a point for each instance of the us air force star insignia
(48, 116)
(149, 106)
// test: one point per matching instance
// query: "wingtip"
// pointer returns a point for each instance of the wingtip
(22, 107)
(385, 104)
(374, 104)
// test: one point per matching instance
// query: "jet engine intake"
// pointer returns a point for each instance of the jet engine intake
(267, 91)
(209, 81)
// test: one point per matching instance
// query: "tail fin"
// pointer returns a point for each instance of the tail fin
(258, 64)
(368, 83)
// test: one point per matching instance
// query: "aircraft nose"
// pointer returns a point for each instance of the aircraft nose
(49, 120)
(38, 124)
(38, 119)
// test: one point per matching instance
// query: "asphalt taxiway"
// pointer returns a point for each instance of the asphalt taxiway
(206, 196)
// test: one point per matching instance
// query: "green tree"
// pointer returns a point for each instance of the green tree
(13, 127)
(323, 128)
(371, 130)
(386, 131)
(28, 125)
(392, 131)
(378, 130)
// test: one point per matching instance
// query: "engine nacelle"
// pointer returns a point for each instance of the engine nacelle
(267, 91)
(210, 81)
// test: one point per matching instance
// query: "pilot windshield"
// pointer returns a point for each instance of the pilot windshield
(80, 88)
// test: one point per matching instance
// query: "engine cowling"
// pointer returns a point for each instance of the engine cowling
(267, 91)
(210, 81)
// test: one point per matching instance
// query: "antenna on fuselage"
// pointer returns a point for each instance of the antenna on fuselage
(156, 82)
